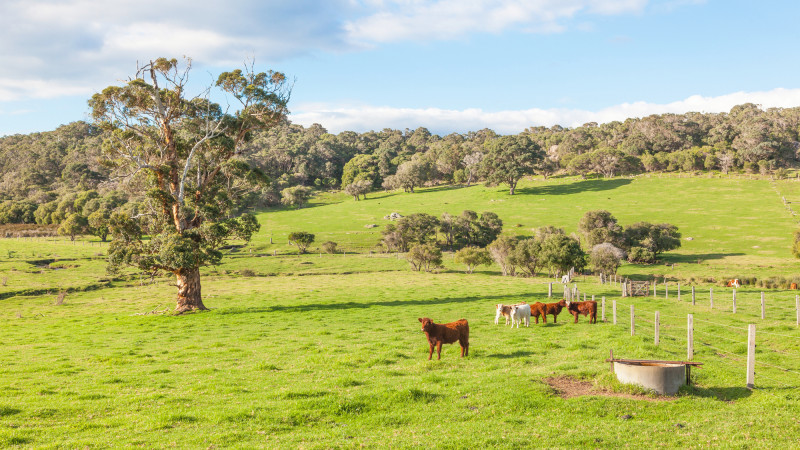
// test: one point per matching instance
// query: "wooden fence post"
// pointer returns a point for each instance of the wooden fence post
(734, 301)
(711, 297)
(797, 308)
(614, 310)
(655, 287)
(689, 337)
(657, 323)
(762, 305)
(549, 290)
(751, 356)
(633, 322)
(692, 295)
(603, 310)
(666, 289)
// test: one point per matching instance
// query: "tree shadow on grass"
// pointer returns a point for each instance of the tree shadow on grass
(725, 394)
(693, 258)
(576, 187)
(490, 299)
(515, 354)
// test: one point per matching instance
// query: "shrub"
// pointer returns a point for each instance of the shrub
(606, 258)
(247, 273)
(473, 257)
(424, 257)
(641, 255)
(329, 247)
(301, 239)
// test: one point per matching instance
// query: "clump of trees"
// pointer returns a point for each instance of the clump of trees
(302, 240)
(473, 257)
(425, 257)
(453, 232)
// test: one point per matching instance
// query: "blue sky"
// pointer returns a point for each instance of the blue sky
(448, 65)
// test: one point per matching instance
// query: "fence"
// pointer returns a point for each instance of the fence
(734, 345)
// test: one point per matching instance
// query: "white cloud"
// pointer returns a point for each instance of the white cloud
(444, 121)
(398, 20)
(70, 44)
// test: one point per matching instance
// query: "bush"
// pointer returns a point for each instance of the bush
(606, 258)
(473, 257)
(247, 273)
(301, 239)
(425, 256)
(329, 247)
(641, 255)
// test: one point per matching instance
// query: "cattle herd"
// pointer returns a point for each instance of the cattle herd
(449, 333)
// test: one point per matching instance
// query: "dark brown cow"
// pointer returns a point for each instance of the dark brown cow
(538, 309)
(554, 309)
(447, 333)
(587, 308)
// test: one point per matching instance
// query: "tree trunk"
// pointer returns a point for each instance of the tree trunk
(189, 298)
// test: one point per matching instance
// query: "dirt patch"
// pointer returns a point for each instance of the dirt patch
(567, 387)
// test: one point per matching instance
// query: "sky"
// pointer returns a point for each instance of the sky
(447, 65)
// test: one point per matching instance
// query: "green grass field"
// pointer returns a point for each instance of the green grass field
(321, 351)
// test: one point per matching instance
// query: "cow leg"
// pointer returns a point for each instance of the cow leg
(430, 352)
(439, 350)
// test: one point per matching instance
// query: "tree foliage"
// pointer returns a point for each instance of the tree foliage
(473, 257)
(185, 151)
(301, 239)
(509, 158)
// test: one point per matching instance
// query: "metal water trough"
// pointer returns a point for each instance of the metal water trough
(664, 377)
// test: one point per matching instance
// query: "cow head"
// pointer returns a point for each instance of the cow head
(567, 303)
(427, 323)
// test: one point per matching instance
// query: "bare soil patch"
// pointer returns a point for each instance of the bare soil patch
(567, 387)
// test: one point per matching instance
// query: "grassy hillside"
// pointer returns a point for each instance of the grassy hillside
(321, 351)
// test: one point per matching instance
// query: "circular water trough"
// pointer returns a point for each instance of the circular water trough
(664, 377)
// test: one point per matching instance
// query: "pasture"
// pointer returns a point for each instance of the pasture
(321, 351)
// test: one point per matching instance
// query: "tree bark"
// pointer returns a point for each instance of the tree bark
(189, 298)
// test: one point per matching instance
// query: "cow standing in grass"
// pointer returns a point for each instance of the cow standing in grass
(447, 333)
(587, 308)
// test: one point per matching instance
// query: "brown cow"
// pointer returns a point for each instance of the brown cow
(734, 283)
(554, 309)
(447, 333)
(588, 307)
(537, 310)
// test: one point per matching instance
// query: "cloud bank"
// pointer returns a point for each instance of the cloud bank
(56, 48)
(444, 121)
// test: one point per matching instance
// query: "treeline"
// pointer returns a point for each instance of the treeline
(601, 243)
(43, 175)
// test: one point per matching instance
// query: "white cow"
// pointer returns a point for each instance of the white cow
(502, 310)
(520, 312)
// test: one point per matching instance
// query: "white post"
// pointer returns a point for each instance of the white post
(711, 297)
(666, 289)
(633, 322)
(762, 304)
(584, 296)
(751, 355)
(657, 322)
(689, 337)
(603, 310)
(734, 301)
(549, 290)
(655, 287)
(797, 308)
(693, 296)
(614, 310)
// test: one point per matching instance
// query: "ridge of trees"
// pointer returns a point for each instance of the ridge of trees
(41, 173)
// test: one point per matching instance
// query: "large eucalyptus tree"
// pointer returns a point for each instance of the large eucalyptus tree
(187, 149)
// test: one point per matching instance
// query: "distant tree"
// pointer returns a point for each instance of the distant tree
(502, 252)
(606, 258)
(98, 224)
(329, 247)
(528, 255)
(600, 226)
(295, 195)
(509, 158)
(301, 239)
(471, 164)
(410, 174)
(726, 160)
(418, 228)
(641, 255)
(74, 225)
(17, 212)
(361, 167)
(656, 238)
(425, 257)
(473, 257)
(561, 253)
(358, 188)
